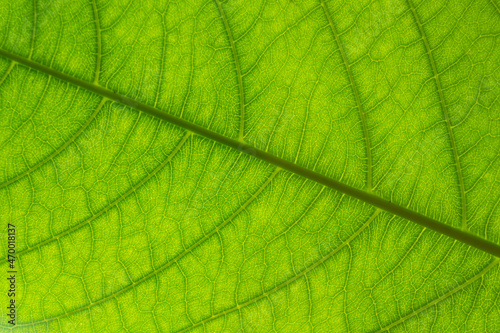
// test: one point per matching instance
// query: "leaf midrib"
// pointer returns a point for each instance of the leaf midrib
(462, 236)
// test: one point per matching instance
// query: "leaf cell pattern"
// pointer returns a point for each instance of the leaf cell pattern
(135, 212)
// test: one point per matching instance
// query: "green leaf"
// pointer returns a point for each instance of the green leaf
(264, 166)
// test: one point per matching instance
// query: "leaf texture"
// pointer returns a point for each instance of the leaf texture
(222, 166)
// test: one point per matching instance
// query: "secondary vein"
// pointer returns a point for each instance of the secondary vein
(369, 181)
(33, 33)
(114, 203)
(178, 257)
(290, 280)
(238, 70)
(444, 296)
(58, 150)
(444, 107)
(99, 47)
(7, 72)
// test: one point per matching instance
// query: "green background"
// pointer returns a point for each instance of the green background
(126, 222)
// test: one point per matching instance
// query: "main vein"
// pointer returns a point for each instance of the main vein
(460, 235)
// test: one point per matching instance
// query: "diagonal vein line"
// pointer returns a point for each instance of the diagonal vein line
(444, 296)
(427, 222)
(7, 72)
(289, 281)
(444, 107)
(114, 203)
(178, 257)
(369, 181)
(238, 69)
(495, 5)
(58, 150)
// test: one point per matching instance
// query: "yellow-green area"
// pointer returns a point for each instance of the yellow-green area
(251, 166)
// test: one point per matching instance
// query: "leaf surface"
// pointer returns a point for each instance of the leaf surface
(267, 166)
